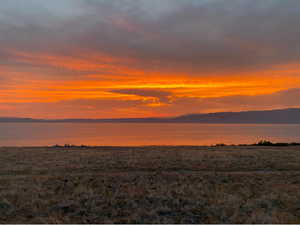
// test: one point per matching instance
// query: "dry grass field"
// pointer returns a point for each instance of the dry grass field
(182, 184)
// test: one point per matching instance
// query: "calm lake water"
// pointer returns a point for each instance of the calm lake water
(38, 134)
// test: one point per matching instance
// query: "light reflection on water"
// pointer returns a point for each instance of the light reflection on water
(39, 134)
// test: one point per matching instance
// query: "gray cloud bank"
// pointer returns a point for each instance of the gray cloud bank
(189, 36)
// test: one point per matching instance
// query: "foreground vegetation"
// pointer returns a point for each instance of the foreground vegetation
(182, 184)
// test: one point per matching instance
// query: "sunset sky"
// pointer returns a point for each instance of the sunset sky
(141, 58)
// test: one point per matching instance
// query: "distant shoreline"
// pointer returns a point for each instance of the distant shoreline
(66, 146)
(149, 122)
(281, 116)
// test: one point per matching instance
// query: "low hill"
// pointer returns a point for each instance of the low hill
(268, 116)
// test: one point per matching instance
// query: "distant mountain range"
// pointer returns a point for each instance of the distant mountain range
(269, 116)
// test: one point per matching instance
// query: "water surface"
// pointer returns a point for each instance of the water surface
(116, 134)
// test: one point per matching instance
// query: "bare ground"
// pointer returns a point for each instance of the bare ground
(154, 184)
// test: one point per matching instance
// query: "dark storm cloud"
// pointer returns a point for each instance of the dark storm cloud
(170, 35)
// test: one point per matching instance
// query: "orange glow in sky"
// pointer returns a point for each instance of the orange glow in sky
(60, 59)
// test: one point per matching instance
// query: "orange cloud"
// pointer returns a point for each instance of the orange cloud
(101, 77)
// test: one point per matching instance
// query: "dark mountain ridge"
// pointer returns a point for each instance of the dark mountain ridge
(268, 116)
(289, 116)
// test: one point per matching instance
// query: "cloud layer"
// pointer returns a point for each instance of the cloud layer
(141, 58)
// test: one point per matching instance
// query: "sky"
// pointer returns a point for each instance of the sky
(141, 58)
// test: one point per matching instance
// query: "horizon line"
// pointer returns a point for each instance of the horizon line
(158, 117)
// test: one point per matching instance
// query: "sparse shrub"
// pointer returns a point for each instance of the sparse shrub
(264, 143)
(220, 145)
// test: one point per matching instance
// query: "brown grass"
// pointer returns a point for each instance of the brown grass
(183, 184)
